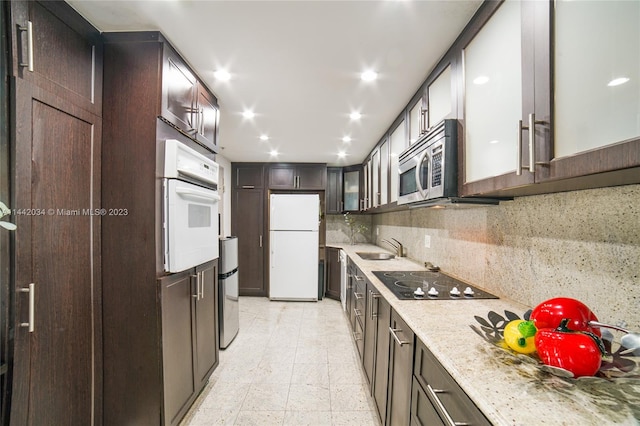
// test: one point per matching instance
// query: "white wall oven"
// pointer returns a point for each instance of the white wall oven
(190, 208)
(428, 168)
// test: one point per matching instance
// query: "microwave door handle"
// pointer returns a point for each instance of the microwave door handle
(418, 163)
(198, 194)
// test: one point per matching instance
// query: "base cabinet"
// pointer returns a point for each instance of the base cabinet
(333, 273)
(382, 313)
(400, 371)
(189, 336)
(437, 398)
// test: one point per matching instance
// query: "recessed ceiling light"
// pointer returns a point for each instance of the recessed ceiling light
(355, 115)
(342, 154)
(618, 81)
(494, 141)
(248, 113)
(480, 80)
(264, 137)
(274, 153)
(368, 75)
(346, 139)
(222, 75)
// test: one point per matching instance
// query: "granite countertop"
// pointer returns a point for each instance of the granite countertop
(508, 389)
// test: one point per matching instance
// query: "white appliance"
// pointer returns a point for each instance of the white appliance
(190, 208)
(293, 239)
(343, 279)
(228, 302)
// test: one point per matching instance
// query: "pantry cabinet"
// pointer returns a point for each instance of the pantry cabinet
(248, 195)
(55, 286)
(297, 176)
(189, 336)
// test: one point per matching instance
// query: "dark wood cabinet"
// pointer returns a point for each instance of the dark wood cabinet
(248, 175)
(333, 194)
(297, 176)
(401, 347)
(55, 126)
(370, 335)
(436, 397)
(248, 224)
(189, 336)
(382, 313)
(179, 88)
(65, 57)
(208, 117)
(359, 307)
(333, 277)
(352, 189)
(132, 261)
(351, 268)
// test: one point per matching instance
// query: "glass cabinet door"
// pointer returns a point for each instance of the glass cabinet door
(384, 173)
(596, 73)
(351, 191)
(493, 95)
(398, 144)
(440, 97)
(415, 122)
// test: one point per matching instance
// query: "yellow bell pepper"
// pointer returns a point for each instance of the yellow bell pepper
(519, 336)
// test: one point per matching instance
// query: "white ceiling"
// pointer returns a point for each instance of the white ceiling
(296, 64)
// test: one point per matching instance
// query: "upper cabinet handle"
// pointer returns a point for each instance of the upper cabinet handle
(29, 30)
(532, 145)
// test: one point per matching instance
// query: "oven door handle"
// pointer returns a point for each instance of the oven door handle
(209, 196)
(418, 183)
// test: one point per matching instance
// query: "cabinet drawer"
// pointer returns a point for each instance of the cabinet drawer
(423, 412)
(358, 335)
(443, 391)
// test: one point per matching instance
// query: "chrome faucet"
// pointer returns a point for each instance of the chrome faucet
(397, 246)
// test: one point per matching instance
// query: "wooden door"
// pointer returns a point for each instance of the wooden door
(335, 204)
(177, 293)
(282, 176)
(400, 372)
(58, 366)
(207, 111)
(382, 312)
(248, 226)
(333, 273)
(67, 51)
(179, 87)
(311, 176)
(206, 323)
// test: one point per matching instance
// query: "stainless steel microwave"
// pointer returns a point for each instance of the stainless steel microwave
(428, 169)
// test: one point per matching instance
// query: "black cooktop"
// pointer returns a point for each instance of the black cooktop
(434, 286)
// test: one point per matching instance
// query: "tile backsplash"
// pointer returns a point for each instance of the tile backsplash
(581, 244)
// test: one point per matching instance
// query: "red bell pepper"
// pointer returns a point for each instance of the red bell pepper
(579, 352)
(549, 313)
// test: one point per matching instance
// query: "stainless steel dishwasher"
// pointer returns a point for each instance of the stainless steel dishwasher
(228, 309)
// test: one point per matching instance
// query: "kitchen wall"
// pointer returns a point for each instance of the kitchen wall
(582, 244)
(339, 232)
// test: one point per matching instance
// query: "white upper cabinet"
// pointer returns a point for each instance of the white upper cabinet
(440, 97)
(597, 74)
(416, 121)
(493, 95)
(398, 144)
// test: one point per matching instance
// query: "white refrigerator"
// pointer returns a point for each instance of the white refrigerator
(293, 243)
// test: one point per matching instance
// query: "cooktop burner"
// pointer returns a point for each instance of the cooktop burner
(425, 285)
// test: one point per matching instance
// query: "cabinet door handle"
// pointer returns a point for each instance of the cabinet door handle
(396, 338)
(375, 296)
(260, 241)
(201, 281)
(201, 121)
(358, 278)
(32, 307)
(440, 408)
(358, 296)
(197, 277)
(248, 186)
(532, 145)
(357, 312)
(29, 29)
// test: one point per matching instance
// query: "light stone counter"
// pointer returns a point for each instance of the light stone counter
(509, 390)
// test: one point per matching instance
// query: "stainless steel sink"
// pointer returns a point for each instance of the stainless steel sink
(375, 256)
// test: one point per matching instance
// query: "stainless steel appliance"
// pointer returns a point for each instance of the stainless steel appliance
(228, 303)
(428, 169)
(425, 285)
(190, 208)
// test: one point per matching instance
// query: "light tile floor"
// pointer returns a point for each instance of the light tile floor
(292, 363)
